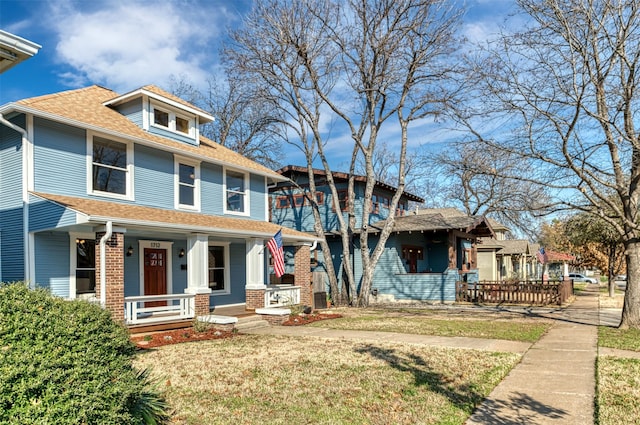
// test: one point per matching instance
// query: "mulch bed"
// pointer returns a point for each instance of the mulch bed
(303, 319)
(177, 336)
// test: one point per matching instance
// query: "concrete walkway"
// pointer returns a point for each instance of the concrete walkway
(554, 383)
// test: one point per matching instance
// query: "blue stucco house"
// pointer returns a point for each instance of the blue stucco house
(119, 199)
(428, 251)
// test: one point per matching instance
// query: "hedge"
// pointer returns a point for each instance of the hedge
(68, 362)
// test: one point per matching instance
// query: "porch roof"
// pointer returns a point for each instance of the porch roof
(137, 216)
(476, 225)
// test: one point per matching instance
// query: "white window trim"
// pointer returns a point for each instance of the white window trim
(142, 244)
(247, 192)
(227, 268)
(176, 179)
(73, 260)
(129, 177)
(172, 119)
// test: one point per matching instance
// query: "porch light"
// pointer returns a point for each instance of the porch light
(129, 251)
(181, 253)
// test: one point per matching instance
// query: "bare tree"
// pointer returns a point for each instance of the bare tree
(244, 121)
(476, 176)
(362, 64)
(566, 88)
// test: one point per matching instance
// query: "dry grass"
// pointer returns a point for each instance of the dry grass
(618, 391)
(616, 301)
(280, 380)
(452, 322)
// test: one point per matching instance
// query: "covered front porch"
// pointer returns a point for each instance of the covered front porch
(149, 267)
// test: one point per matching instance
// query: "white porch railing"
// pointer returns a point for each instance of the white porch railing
(178, 306)
(281, 295)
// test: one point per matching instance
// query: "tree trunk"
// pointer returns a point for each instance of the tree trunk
(631, 308)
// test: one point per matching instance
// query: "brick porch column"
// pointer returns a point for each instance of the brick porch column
(114, 273)
(302, 274)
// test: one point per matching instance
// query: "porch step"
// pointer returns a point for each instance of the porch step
(254, 321)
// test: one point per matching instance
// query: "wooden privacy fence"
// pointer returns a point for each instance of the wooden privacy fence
(522, 292)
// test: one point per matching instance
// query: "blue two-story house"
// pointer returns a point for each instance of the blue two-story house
(119, 199)
(425, 255)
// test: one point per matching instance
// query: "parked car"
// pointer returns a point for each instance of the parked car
(622, 277)
(577, 277)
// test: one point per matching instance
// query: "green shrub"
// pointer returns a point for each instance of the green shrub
(68, 362)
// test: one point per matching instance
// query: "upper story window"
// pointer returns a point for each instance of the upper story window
(110, 170)
(237, 193)
(343, 198)
(187, 174)
(402, 209)
(170, 120)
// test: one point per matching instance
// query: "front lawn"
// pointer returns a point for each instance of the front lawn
(276, 380)
(618, 391)
(503, 325)
(622, 339)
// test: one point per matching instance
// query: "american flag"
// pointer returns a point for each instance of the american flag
(277, 253)
(542, 256)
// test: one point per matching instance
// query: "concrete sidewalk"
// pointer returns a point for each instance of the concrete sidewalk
(554, 383)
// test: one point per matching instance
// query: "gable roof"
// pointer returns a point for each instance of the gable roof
(163, 96)
(85, 108)
(514, 246)
(290, 170)
(477, 225)
(132, 216)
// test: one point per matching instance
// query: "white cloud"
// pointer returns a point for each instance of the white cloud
(126, 45)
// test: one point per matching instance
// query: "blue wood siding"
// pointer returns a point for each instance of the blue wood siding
(391, 277)
(171, 135)
(52, 262)
(212, 198)
(59, 153)
(154, 177)
(48, 215)
(132, 110)
(301, 217)
(11, 215)
(258, 189)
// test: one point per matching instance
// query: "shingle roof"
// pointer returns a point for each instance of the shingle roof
(85, 107)
(142, 216)
(514, 246)
(477, 225)
(289, 170)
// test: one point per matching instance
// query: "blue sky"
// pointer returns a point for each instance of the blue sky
(124, 45)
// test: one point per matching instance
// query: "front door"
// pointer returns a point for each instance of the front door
(155, 274)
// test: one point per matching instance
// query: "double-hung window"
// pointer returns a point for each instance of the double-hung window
(237, 193)
(85, 265)
(110, 167)
(187, 176)
(219, 268)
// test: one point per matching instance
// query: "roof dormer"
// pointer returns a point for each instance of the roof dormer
(162, 113)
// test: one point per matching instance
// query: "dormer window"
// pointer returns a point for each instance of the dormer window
(172, 121)
(160, 118)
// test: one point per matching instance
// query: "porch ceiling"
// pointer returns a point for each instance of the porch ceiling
(142, 217)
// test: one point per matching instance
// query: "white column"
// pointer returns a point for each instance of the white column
(565, 267)
(255, 263)
(198, 264)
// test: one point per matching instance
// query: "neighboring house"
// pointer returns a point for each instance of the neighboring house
(427, 252)
(119, 198)
(14, 49)
(500, 258)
